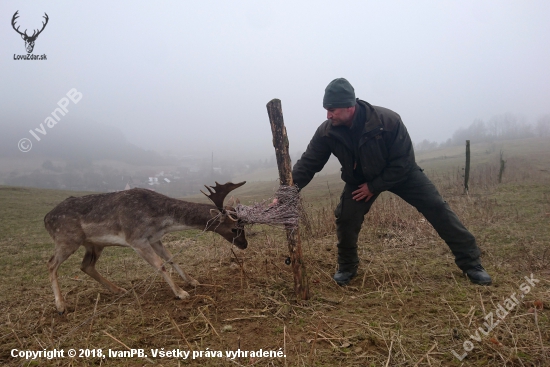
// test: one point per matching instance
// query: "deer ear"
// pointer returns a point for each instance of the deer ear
(23, 36)
(214, 212)
(232, 216)
(233, 201)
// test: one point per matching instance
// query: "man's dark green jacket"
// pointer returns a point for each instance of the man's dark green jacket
(385, 150)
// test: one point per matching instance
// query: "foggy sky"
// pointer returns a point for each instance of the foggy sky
(195, 76)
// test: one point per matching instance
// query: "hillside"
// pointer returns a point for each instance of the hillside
(409, 305)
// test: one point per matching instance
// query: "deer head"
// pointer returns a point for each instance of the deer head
(29, 40)
(228, 226)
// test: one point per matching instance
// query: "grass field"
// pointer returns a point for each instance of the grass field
(408, 306)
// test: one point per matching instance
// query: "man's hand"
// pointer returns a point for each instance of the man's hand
(363, 193)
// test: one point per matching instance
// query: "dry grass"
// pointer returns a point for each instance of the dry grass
(409, 305)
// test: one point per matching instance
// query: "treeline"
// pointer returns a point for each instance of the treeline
(501, 127)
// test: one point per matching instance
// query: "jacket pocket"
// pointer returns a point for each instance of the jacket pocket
(338, 210)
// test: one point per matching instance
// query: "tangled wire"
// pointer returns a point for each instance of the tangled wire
(285, 212)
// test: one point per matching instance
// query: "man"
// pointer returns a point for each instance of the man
(376, 154)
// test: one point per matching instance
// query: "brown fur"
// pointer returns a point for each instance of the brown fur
(136, 218)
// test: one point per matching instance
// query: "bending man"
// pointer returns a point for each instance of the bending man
(376, 154)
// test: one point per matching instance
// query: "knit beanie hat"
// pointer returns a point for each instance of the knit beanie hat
(339, 93)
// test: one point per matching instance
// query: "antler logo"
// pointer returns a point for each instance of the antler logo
(29, 40)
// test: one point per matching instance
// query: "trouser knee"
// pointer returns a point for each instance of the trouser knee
(349, 218)
(461, 242)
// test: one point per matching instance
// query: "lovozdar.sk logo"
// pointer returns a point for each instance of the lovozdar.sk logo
(29, 40)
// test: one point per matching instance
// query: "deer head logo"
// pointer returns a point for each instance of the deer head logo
(29, 40)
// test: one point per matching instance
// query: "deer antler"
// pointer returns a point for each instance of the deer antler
(15, 16)
(34, 34)
(43, 26)
(219, 192)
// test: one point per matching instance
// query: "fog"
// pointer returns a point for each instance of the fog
(193, 78)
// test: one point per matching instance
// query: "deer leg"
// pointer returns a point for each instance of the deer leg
(147, 252)
(88, 266)
(62, 252)
(165, 254)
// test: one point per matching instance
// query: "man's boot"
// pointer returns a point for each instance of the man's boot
(345, 273)
(478, 275)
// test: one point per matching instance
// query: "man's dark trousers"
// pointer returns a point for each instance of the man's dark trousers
(421, 193)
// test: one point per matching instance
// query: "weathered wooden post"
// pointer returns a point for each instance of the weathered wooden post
(280, 142)
(467, 168)
(502, 167)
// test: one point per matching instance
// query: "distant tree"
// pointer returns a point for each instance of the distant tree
(476, 132)
(447, 143)
(499, 127)
(49, 166)
(508, 126)
(425, 145)
(543, 126)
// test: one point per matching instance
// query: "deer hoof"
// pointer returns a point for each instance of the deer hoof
(61, 308)
(181, 294)
(120, 290)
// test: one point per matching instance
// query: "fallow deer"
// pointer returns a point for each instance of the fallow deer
(136, 218)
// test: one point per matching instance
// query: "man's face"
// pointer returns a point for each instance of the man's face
(341, 116)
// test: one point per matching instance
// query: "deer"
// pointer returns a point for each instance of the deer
(29, 40)
(136, 218)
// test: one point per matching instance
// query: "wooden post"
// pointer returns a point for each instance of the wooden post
(467, 169)
(502, 167)
(280, 142)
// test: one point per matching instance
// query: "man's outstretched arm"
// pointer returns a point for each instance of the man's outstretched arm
(312, 161)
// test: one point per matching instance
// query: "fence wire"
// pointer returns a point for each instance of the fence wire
(284, 212)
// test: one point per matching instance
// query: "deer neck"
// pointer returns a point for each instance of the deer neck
(188, 214)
